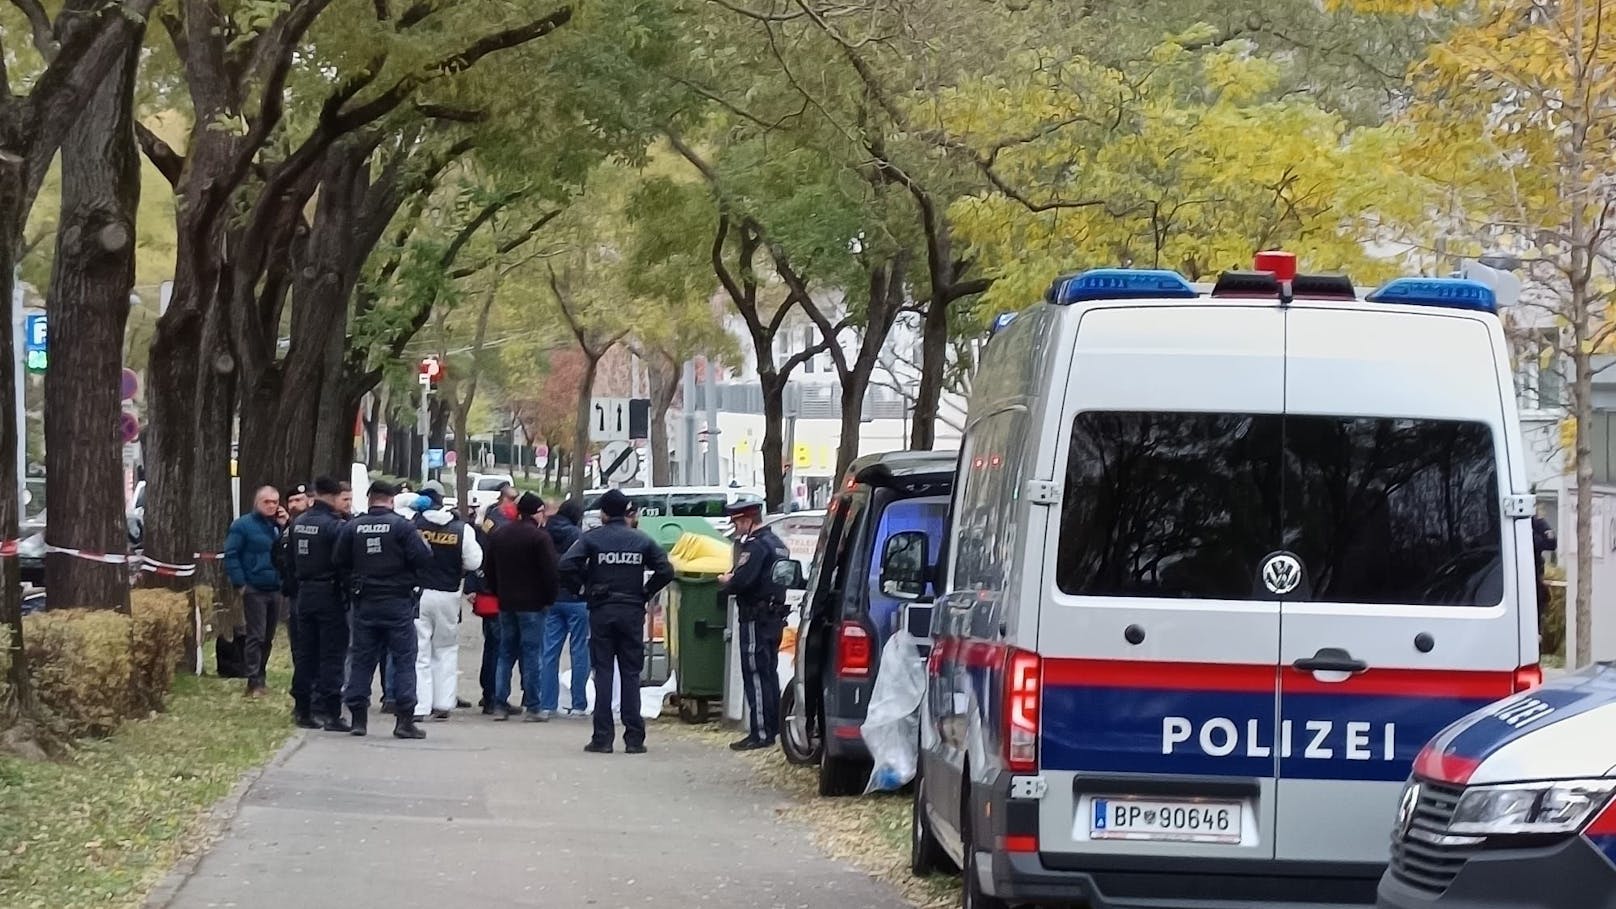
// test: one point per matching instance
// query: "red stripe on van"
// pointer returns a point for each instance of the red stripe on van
(1165, 676)
(1240, 677)
(1430, 683)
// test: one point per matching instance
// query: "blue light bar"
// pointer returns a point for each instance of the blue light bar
(1455, 293)
(1002, 321)
(1125, 284)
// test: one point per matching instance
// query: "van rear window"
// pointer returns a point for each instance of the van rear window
(1189, 505)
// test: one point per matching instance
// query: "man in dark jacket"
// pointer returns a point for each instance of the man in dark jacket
(520, 569)
(567, 622)
(320, 646)
(249, 560)
(607, 566)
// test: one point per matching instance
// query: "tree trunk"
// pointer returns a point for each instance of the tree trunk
(1582, 400)
(855, 383)
(933, 367)
(774, 443)
(19, 709)
(212, 507)
(664, 382)
(89, 307)
(576, 479)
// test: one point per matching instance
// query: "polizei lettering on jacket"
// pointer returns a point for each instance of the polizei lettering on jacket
(373, 527)
(621, 558)
(1322, 740)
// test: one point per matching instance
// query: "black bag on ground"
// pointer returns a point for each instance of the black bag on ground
(230, 656)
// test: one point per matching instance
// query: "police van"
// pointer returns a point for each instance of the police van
(1218, 565)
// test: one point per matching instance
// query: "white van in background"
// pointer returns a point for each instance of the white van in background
(1217, 568)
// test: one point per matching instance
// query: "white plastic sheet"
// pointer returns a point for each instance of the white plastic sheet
(652, 699)
(892, 725)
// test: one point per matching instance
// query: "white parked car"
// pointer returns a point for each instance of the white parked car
(483, 488)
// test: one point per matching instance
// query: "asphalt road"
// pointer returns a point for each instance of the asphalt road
(493, 815)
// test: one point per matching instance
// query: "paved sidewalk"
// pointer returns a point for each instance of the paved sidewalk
(512, 814)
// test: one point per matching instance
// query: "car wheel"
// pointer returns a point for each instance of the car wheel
(799, 746)
(840, 777)
(971, 895)
(926, 855)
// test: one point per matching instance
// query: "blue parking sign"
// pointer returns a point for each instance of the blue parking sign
(35, 337)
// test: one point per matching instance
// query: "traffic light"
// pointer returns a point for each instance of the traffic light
(431, 371)
(639, 418)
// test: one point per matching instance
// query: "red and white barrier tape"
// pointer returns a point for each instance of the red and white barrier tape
(146, 563)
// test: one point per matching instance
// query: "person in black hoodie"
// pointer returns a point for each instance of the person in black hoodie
(520, 569)
(567, 622)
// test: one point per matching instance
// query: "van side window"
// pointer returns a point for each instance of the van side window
(989, 477)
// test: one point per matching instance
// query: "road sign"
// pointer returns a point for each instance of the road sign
(128, 427)
(431, 370)
(450, 459)
(129, 385)
(541, 456)
(35, 338)
(608, 420)
(619, 463)
(434, 458)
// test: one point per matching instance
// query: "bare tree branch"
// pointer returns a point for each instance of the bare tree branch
(39, 24)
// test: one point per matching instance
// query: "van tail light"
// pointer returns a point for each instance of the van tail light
(1023, 690)
(1527, 678)
(853, 654)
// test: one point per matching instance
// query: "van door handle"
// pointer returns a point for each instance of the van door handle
(1331, 659)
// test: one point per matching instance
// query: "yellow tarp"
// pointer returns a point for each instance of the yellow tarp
(697, 554)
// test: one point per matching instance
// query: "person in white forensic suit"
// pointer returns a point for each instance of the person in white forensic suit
(455, 553)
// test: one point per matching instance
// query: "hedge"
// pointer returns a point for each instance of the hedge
(95, 668)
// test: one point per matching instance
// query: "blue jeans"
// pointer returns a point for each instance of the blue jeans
(567, 622)
(490, 667)
(521, 637)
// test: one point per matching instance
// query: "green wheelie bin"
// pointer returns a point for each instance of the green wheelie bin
(696, 618)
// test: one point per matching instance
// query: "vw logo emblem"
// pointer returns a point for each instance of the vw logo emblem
(1282, 573)
(1405, 810)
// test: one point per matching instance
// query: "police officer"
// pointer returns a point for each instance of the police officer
(320, 646)
(760, 607)
(607, 567)
(384, 556)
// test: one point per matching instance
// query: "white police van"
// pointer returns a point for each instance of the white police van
(1217, 567)
(1514, 807)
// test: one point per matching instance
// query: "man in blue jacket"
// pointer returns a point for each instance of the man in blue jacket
(249, 559)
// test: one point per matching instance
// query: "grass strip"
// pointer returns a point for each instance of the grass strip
(102, 827)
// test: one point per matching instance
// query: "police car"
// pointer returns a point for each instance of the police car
(1512, 806)
(1218, 565)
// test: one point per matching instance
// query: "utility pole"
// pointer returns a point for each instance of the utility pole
(18, 333)
(713, 478)
(687, 464)
(431, 370)
(793, 406)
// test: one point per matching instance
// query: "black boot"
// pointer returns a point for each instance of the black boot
(359, 718)
(302, 716)
(404, 726)
(337, 724)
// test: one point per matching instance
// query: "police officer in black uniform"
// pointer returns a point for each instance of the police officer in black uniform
(760, 607)
(383, 554)
(607, 567)
(320, 646)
